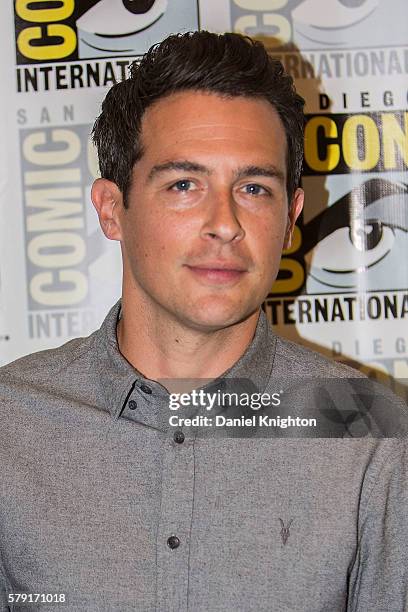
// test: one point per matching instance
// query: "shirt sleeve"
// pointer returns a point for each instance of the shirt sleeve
(379, 577)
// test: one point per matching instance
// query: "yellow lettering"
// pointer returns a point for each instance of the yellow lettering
(394, 137)
(311, 144)
(47, 52)
(296, 279)
(351, 144)
(42, 15)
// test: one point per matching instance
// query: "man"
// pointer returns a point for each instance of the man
(105, 508)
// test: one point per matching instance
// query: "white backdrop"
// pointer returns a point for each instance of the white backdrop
(342, 288)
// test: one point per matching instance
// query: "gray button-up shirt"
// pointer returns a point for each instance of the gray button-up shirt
(100, 505)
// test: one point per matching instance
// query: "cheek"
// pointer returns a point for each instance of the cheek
(157, 239)
(268, 244)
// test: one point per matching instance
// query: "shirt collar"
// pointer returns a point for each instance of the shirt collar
(117, 377)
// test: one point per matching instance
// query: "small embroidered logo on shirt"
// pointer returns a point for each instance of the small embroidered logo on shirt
(285, 533)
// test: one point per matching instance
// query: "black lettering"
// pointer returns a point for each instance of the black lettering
(390, 306)
(274, 306)
(304, 307)
(337, 312)
(365, 99)
(45, 72)
(404, 306)
(93, 76)
(324, 101)
(350, 301)
(288, 312)
(60, 77)
(388, 98)
(76, 76)
(109, 75)
(122, 65)
(321, 312)
(374, 307)
(30, 79)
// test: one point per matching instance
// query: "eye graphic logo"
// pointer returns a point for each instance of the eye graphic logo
(115, 26)
(341, 243)
(324, 21)
(74, 30)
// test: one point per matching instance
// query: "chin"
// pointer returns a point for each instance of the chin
(211, 317)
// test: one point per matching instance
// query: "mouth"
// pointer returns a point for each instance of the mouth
(217, 273)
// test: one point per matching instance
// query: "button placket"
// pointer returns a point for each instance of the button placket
(141, 407)
(175, 522)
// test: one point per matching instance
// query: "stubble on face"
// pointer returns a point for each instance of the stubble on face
(207, 211)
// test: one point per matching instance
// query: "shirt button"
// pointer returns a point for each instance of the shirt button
(173, 542)
(132, 405)
(178, 437)
(145, 389)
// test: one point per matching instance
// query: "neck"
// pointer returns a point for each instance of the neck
(160, 347)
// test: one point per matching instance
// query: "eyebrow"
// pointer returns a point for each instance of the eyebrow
(268, 171)
(184, 165)
(243, 172)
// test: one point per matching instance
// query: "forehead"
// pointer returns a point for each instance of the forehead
(207, 124)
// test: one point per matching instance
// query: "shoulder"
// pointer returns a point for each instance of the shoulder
(294, 359)
(344, 398)
(48, 365)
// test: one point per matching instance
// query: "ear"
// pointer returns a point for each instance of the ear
(108, 201)
(295, 209)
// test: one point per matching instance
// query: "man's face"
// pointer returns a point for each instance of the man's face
(207, 214)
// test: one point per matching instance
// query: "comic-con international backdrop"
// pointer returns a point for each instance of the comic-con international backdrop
(342, 288)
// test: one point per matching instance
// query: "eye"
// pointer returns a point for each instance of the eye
(366, 236)
(114, 25)
(352, 3)
(342, 254)
(138, 7)
(255, 189)
(182, 185)
(331, 15)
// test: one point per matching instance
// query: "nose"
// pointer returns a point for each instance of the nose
(221, 221)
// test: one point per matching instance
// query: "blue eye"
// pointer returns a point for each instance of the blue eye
(182, 185)
(254, 189)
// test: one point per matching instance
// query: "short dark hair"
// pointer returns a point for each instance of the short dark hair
(227, 64)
